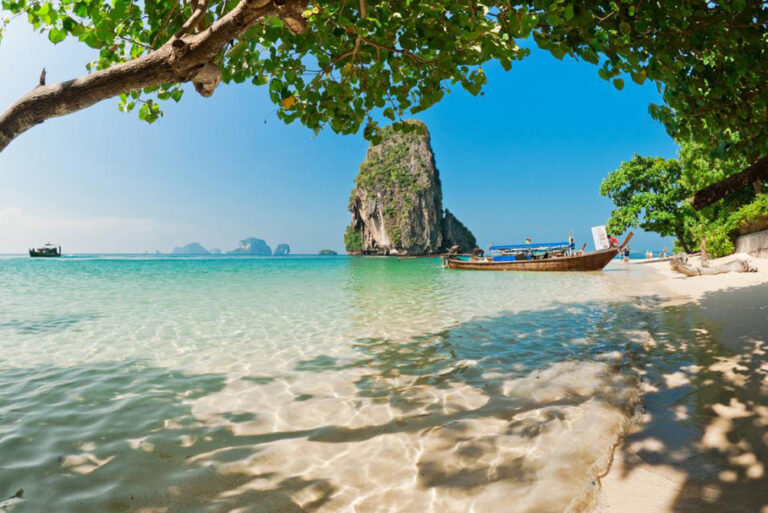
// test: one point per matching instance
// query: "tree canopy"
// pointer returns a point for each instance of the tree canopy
(345, 64)
(648, 193)
(652, 193)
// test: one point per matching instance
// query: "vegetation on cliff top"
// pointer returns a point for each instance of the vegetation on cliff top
(388, 164)
(353, 241)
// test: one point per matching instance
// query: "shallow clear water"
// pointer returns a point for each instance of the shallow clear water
(309, 384)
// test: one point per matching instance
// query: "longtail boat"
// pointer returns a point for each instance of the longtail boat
(538, 257)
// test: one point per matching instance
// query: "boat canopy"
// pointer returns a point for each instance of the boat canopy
(544, 246)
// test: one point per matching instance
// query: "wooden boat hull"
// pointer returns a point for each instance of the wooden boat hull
(594, 261)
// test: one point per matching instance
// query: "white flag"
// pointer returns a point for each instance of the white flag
(600, 237)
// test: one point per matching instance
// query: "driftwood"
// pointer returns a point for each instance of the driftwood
(680, 264)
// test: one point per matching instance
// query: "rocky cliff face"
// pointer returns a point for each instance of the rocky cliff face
(396, 203)
(456, 234)
(252, 246)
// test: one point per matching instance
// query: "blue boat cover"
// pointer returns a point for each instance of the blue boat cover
(509, 258)
(544, 246)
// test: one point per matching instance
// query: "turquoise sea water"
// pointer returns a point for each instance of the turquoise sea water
(310, 384)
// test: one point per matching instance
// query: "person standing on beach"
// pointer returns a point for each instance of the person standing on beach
(626, 255)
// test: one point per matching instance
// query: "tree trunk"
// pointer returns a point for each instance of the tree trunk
(680, 264)
(184, 58)
(726, 187)
(704, 253)
(682, 242)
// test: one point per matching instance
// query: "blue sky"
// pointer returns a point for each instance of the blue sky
(525, 159)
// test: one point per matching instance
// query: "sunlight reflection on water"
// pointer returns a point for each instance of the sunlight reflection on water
(310, 384)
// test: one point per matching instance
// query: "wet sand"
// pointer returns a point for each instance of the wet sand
(699, 442)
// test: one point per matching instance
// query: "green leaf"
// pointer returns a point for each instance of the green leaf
(275, 85)
(618, 83)
(91, 40)
(625, 28)
(68, 24)
(56, 35)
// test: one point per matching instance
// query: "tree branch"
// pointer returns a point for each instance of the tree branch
(192, 21)
(359, 40)
(164, 23)
(44, 102)
(733, 183)
(178, 60)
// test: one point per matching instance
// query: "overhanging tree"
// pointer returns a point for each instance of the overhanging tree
(648, 193)
(652, 193)
(340, 63)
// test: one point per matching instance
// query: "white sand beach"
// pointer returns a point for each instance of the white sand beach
(711, 459)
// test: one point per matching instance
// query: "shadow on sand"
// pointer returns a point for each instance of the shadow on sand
(123, 436)
(707, 402)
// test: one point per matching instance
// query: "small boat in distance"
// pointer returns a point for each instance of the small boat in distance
(49, 250)
(538, 257)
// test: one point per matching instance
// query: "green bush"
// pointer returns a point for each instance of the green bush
(753, 216)
(722, 231)
(353, 241)
(719, 242)
(397, 237)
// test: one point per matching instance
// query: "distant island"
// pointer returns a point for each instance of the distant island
(193, 248)
(249, 246)
(327, 252)
(252, 246)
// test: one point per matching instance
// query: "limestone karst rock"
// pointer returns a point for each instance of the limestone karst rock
(456, 234)
(397, 203)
